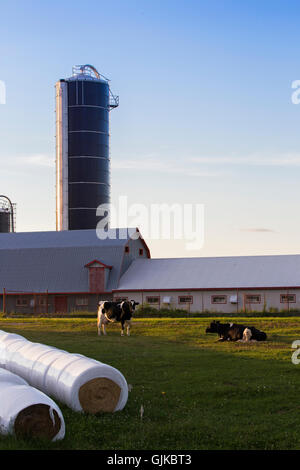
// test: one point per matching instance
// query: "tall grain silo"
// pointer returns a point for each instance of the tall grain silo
(7, 215)
(83, 102)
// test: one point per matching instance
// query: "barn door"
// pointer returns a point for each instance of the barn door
(61, 304)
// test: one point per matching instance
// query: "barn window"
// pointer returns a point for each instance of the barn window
(219, 299)
(141, 251)
(186, 299)
(285, 298)
(253, 299)
(22, 302)
(81, 301)
(152, 300)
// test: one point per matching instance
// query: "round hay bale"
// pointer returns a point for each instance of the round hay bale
(99, 395)
(26, 411)
(36, 421)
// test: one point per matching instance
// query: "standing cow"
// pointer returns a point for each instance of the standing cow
(115, 312)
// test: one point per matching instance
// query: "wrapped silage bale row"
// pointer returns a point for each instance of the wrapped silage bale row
(82, 383)
(9, 346)
(26, 411)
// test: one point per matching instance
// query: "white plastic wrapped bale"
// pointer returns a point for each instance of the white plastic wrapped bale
(81, 383)
(5, 339)
(26, 411)
(9, 347)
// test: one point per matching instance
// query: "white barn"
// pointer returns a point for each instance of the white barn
(221, 284)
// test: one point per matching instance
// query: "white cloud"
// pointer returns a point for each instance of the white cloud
(285, 159)
(257, 229)
(24, 162)
(38, 160)
(190, 166)
(159, 165)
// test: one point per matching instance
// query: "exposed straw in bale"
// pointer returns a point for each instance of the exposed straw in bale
(36, 421)
(99, 395)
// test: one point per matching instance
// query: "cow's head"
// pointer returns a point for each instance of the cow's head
(213, 327)
(134, 304)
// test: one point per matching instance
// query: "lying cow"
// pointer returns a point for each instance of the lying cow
(234, 332)
(115, 312)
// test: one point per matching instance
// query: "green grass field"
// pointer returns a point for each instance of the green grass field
(197, 393)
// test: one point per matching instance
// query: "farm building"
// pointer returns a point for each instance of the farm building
(222, 284)
(63, 271)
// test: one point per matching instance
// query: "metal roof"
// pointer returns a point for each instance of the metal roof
(55, 261)
(64, 238)
(212, 273)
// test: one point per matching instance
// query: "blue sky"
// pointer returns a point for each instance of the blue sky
(205, 113)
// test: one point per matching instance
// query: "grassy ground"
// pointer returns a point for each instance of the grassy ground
(196, 393)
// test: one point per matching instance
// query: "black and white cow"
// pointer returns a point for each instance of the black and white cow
(115, 312)
(234, 332)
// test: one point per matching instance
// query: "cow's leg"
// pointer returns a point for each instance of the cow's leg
(128, 324)
(221, 337)
(122, 328)
(99, 326)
